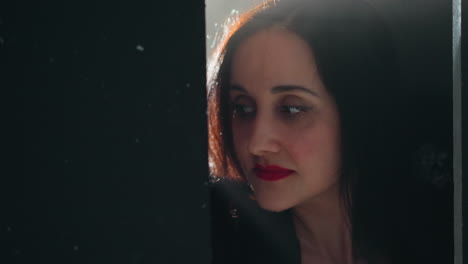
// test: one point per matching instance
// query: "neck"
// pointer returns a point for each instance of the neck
(323, 230)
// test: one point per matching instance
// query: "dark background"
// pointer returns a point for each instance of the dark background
(104, 131)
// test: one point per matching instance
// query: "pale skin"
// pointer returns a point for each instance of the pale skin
(283, 115)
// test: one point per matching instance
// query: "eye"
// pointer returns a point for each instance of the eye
(292, 109)
(243, 110)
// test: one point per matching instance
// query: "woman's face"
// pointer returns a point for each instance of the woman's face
(286, 128)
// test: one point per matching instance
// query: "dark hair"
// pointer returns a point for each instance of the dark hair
(357, 63)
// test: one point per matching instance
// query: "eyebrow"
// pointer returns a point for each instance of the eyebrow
(279, 89)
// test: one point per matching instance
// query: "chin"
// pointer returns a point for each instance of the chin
(272, 205)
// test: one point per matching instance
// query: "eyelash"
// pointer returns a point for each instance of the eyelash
(286, 110)
(239, 110)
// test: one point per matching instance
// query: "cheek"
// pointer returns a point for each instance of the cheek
(317, 149)
(240, 133)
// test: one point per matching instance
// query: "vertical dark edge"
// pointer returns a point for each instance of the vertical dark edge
(457, 132)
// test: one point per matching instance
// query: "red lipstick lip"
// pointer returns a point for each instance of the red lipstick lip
(271, 172)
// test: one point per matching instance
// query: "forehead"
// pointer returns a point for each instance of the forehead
(273, 57)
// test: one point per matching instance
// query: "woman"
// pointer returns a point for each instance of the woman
(305, 109)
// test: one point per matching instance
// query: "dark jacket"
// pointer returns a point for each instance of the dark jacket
(243, 233)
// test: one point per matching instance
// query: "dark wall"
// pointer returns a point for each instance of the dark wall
(104, 129)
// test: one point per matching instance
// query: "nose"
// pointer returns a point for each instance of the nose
(264, 137)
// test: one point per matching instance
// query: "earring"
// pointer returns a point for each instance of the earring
(250, 186)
